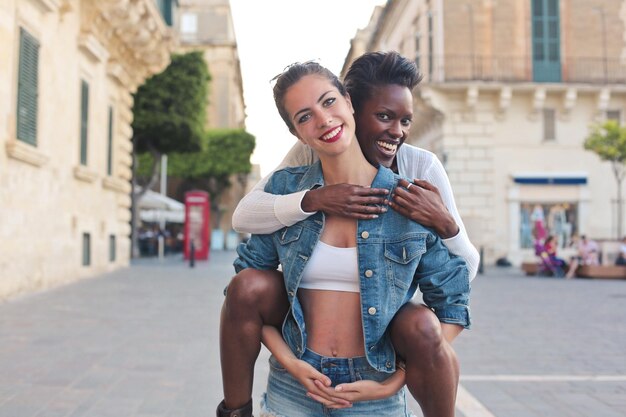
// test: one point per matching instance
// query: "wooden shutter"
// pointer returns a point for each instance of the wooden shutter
(27, 88)
(615, 115)
(549, 124)
(546, 41)
(84, 121)
(112, 248)
(86, 249)
(110, 144)
(166, 9)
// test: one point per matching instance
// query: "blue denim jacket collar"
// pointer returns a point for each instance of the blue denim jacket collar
(314, 177)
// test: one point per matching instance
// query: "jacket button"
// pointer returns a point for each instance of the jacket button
(291, 293)
(371, 310)
(365, 234)
(369, 273)
(388, 364)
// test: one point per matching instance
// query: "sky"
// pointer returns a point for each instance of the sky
(272, 34)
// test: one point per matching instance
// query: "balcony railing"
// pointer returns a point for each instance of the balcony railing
(520, 69)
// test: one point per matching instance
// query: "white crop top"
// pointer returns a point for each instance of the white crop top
(331, 268)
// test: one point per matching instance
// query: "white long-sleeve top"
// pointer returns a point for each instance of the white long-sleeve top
(261, 213)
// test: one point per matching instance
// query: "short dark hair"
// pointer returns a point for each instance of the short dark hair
(291, 75)
(374, 69)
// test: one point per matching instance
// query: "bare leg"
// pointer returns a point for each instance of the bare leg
(572, 268)
(432, 368)
(253, 298)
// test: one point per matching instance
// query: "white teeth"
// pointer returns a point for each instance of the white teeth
(332, 133)
(388, 146)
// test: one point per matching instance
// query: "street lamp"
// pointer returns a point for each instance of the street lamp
(161, 237)
(470, 16)
(600, 11)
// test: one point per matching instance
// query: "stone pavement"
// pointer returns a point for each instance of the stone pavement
(546, 346)
(142, 342)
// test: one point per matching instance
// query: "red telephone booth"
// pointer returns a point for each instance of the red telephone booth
(197, 219)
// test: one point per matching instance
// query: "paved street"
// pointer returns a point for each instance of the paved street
(142, 342)
(546, 346)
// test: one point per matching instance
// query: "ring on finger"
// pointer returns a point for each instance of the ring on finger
(408, 187)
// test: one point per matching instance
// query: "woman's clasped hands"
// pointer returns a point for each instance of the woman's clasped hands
(319, 387)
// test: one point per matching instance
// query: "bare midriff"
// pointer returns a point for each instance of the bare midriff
(333, 322)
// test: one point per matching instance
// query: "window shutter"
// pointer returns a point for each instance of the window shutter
(27, 88)
(84, 121)
(546, 41)
(615, 115)
(86, 249)
(165, 7)
(110, 144)
(112, 248)
(431, 53)
(549, 124)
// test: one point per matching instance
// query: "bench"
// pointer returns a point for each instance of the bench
(530, 268)
(534, 269)
(584, 271)
(601, 271)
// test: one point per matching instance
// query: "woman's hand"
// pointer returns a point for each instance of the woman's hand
(422, 203)
(364, 390)
(346, 200)
(316, 383)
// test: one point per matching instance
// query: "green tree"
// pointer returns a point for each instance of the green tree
(608, 141)
(169, 116)
(223, 152)
(169, 109)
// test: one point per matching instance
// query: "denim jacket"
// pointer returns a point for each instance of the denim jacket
(395, 255)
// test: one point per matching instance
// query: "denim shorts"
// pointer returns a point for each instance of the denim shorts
(285, 397)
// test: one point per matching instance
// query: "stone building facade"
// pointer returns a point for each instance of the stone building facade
(510, 89)
(207, 25)
(68, 69)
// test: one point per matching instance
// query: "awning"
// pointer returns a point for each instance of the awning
(550, 178)
(157, 215)
(155, 207)
(151, 200)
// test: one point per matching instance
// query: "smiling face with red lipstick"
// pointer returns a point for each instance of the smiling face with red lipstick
(321, 116)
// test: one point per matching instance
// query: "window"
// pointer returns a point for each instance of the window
(546, 44)
(614, 115)
(418, 37)
(86, 249)
(112, 247)
(27, 88)
(538, 220)
(430, 46)
(189, 23)
(110, 143)
(84, 120)
(549, 124)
